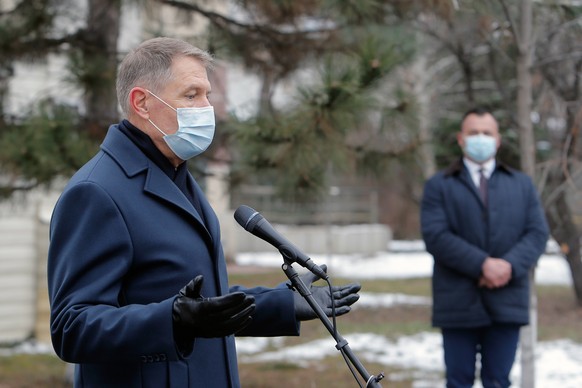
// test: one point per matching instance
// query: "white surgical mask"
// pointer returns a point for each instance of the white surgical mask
(480, 148)
(195, 130)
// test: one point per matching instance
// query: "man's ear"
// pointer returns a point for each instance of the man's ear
(138, 102)
(460, 139)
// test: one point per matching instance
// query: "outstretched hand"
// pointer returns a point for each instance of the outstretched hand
(343, 297)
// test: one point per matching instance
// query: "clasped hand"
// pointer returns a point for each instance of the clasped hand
(343, 297)
(211, 317)
(495, 273)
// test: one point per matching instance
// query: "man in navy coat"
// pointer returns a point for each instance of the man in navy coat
(137, 278)
(483, 223)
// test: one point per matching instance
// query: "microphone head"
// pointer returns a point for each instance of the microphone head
(247, 217)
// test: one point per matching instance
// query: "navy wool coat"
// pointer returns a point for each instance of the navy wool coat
(124, 241)
(461, 232)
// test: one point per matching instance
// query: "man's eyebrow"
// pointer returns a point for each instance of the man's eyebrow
(194, 88)
(190, 88)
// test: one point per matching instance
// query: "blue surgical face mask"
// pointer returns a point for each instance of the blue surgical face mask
(195, 130)
(480, 148)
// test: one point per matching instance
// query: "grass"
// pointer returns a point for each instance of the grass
(558, 317)
(31, 371)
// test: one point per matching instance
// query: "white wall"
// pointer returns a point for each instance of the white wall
(17, 276)
(23, 242)
(367, 239)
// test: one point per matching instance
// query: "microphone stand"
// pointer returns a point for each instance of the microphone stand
(342, 345)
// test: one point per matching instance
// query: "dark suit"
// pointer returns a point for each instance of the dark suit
(124, 240)
(461, 232)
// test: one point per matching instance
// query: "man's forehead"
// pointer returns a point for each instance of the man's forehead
(190, 73)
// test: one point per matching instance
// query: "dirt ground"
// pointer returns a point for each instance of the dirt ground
(558, 317)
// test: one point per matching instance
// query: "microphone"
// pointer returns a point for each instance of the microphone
(253, 222)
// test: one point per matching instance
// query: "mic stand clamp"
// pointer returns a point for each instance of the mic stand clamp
(342, 345)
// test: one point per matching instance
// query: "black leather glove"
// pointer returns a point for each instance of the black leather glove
(343, 296)
(195, 316)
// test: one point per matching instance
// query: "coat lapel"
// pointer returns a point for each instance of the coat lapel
(157, 183)
(458, 169)
(213, 226)
(134, 162)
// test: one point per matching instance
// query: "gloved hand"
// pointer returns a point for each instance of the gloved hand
(195, 316)
(343, 296)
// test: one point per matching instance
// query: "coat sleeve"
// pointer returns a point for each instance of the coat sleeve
(275, 312)
(89, 254)
(446, 246)
(532, 243)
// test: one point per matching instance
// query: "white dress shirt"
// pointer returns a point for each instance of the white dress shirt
(474, 169)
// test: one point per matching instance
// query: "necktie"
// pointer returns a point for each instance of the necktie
(483, 186)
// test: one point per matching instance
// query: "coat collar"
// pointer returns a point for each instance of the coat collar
(124, 152)
(133, 162)
(457, 167)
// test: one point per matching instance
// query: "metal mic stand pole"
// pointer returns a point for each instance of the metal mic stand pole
(342, 345)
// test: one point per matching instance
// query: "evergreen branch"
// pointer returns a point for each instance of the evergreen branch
(221, 20)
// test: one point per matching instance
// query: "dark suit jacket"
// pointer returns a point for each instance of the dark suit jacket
(124, 241)
(460, 233)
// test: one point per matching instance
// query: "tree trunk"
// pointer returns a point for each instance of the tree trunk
(266, 92)
(4, 77)
(559, 211)
(565, 232)
(527, 152)
(100, 57)
(422, 93)
(575, 263)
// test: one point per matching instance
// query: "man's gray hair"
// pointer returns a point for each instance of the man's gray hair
(148, 66)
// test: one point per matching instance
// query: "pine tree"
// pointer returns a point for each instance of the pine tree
(51, 139)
